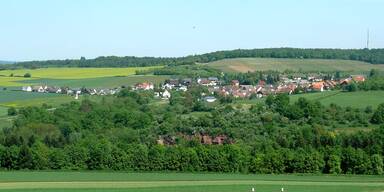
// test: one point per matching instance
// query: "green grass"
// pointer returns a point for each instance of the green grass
(120, 181)
(70, 74)
(75, 73)
(305, 65)
(359, 99)
(101, 82)
(5, 121)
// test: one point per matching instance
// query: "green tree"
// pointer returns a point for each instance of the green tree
(377, 164)
(378, 115)
(27, 75)
(12, 111)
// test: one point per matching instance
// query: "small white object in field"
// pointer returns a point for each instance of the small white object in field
(282, 189)
(253, 189)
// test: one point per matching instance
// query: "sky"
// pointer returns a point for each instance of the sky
(68, 29)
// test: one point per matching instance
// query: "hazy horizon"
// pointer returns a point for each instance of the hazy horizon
(68, 29)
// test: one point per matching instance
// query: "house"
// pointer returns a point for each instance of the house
(39, 89)
(166, 94)
(186, 82)
(214, 80)
(183, 88)
(171, 84)
(211, 81)
(358, 78)
(329, 84)
(144, 86)
(203, 81)
(235, 83)
(27, 88)
(317, 86)
(219, 140)
(53, 90)
(206, 139)
(166, 140)
(92, 91)
(210, 99)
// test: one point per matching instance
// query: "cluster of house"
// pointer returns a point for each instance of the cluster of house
(69, 91)
(214, 85)
(286, 85)
(164, 91)
(200, 137)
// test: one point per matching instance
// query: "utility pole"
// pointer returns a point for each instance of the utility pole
(368, 38)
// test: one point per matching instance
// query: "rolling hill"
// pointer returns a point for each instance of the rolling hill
(279, 64)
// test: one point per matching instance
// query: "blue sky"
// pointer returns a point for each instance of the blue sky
(60, 29)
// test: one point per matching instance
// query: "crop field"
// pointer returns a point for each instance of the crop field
(359, 99)
(11, 81)
(68, 74)
(305, 65)
(101, 82)
(75, 73)
(183, 182)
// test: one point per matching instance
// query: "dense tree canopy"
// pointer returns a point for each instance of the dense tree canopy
(121, 133)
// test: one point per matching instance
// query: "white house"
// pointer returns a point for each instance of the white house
(27, 88)
(166, 94)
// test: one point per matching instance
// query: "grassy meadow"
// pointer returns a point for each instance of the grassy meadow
(69, 76)
(101, 82)
(305, 65)
(75, 73)
(359, 99)
(188, 182)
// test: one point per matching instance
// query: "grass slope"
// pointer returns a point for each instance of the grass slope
(308, 65)
(359, 99)
(188, 182)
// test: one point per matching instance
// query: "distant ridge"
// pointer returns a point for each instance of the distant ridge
(373, 56)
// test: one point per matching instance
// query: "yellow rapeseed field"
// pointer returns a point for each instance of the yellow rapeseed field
(75, 73)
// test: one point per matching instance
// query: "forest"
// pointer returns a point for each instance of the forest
(373, 56)
(121, 133)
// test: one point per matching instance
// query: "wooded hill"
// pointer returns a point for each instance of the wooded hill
(373, 56)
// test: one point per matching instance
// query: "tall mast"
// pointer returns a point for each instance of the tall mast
(368, 38)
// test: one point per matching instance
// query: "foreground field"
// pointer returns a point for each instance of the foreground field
(118, 181)
(305, 65)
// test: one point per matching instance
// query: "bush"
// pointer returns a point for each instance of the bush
(27, 75)
(12, 111)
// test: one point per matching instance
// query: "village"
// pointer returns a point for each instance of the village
(215, 86)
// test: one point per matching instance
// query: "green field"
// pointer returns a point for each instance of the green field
(305, 65)
(184, 182)
(359, 99)
(101, 82)
(75, 73)
(67, 74)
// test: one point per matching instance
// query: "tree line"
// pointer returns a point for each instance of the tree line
(374, 56)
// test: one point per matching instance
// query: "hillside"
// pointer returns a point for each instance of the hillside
(279, 64)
